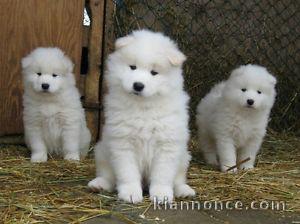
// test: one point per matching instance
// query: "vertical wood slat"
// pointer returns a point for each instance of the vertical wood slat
(108, 47)
(26, 25)
(92, 82)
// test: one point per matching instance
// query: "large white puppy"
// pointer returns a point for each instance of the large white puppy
(232, 118)
(54, 119)
(146, 130)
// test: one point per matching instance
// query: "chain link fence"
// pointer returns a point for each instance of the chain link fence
(219, 35)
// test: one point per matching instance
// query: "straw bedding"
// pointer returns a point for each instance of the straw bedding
(56, 192)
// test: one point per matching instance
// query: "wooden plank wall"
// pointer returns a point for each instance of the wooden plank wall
(108, 42)
(93, 79)
(25, 25)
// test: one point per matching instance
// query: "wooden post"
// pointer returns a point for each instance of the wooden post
(108, 47)
(92, 82)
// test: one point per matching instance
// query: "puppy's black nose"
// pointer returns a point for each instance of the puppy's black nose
(250, 102)
(138, 86)
(45, 86)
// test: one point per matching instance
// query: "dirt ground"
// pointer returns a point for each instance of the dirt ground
(211, 217)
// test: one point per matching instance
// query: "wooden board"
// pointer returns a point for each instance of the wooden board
(25, 25)
(108, 47)
(93, 78)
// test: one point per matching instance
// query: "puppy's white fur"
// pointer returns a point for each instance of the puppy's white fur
(231, 130)
(145, 133)
(54, 119)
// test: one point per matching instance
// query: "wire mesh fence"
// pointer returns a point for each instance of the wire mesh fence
(219, 35)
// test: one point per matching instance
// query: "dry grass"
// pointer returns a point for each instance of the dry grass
(55, 192)
(276, 177)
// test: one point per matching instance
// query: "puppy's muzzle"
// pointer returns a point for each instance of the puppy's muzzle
(45, 86)
(250, 102)
(138, 86)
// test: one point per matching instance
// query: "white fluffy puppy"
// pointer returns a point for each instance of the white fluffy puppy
(146, 131)
(232, 118)
(53, 116)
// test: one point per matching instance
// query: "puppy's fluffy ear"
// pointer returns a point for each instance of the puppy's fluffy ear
(176, 57)
(272, 79)
(68, 64)
(123, 41)
(238, 71)
(26, 61)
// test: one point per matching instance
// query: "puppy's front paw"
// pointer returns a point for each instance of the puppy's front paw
(131, 193)
(100, 183)
(38, 157)
(211, 159)
(72, 156)
(183, 191)
(161, 193)
(246, 166)
(227, 169)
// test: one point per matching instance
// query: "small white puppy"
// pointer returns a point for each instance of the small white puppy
(54, 119)
(232, 118)
(146, 130)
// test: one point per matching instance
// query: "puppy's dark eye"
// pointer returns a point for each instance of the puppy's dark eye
(258, 91)
(54, 75)
(132, 67)
(244, 89)
(154, 72)
(39, 74)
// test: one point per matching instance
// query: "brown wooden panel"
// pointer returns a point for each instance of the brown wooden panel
(109, 40)
(25, 25)
(92, 81)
